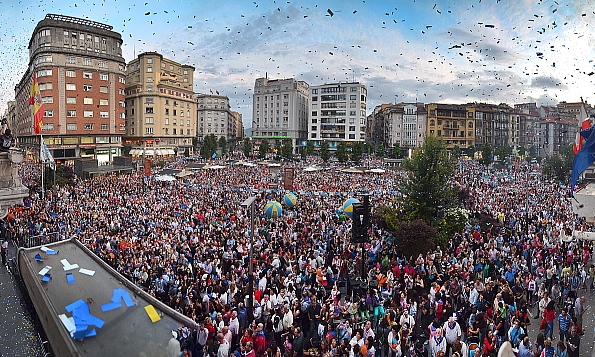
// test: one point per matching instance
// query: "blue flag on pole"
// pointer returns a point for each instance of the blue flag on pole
(214, 155)
(584, 158)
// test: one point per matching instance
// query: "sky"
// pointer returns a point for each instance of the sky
(490, 51)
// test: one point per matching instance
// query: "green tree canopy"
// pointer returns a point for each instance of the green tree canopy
(209, 146)
(558, 166)
(486, 152)
(356, 152)
(380, 151)
(341, 152)
(263, 149)
(471, 151)
(324, 151)
(397, 150)
(310, 147)
(223, 145)
(287, 149)
(427, 188)
(247, 147)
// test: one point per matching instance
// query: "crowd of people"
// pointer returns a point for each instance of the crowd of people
(187, 242)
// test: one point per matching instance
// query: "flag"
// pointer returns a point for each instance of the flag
(584, 158)
(578, 141)
(45, 156)
(35, 101)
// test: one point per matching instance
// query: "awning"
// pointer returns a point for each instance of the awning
(149, 152)
(159, 152)
(133, 152)
(170, 152)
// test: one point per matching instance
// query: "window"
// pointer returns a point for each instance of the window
(103, 89)
(88, 113)
(166, 111)
(87, 87)
(66, 34)
(104, 77)
(103, 127)
(149, 100)
(47, 127)
(149, 110)
(185, 71)
(44, 33)
(352, 112)
(71, 113)
(149, 79)
(175, 132)
(354, 89)
(149, 60)
(70, 86)
(185, 79)
(122, 115)
(187, 122)
(87, 62)
(149, 69)
(103, 102)
(149, 88)
(149, 130)
(166, 121)
(104, 115)
(122, 79)
(70, 73)
(123, 104)
(48, 113)
(313, 135)
(102, 64)
(123, 128)
(88, 126)
(87, 100)
(87, 75)
(47, 100)
(353, 97)
(44, 72)
(149, 120)
(70, 100)
(45, 86)
(71, 126)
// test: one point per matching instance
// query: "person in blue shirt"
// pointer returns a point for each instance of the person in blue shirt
(525, 348)
(564, 321)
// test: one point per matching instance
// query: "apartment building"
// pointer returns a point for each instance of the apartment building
(402, 123)
(338, 113)
(81, 75)
(160, 106)
(216, 117)
(453, 123)
(280, 111)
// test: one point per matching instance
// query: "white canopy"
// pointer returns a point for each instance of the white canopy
(165, 178)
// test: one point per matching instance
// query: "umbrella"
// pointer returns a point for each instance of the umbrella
(165, 178)
(273, 209)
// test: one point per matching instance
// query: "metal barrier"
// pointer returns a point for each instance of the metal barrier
(34, 241)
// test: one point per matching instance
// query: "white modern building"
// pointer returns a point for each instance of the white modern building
(337, 113)
(280, 111)
(216, 117)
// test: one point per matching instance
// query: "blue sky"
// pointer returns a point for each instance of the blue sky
(436, 51)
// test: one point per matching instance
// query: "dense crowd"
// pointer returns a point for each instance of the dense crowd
(187, 242)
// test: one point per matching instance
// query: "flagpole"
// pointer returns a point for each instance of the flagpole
(42, 166)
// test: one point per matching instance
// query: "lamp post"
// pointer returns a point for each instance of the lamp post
(249, 202)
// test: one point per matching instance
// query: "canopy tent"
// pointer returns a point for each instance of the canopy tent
(165, 178)
(312, 169)
(352, 170)
(377, 171)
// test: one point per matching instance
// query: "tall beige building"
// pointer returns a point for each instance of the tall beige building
(160, 106)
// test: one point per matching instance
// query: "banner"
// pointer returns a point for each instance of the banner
(46, 156)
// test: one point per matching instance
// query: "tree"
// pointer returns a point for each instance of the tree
(486, 152)
(414, 237)
(456, 152)
(471, 151)
(521, 151)
(356, 152)
(558, 166)
(367, 147)
(380, 151)
(310, 147)
(247, 147)
(341, 152)
(397, 150)
(503, 152)
(263, 149)
(287, 149)
(427, 188)
(223, 145)
(209, 146)
(532, 151)
(324, 151)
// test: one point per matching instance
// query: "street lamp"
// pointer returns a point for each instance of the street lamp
(249, 202)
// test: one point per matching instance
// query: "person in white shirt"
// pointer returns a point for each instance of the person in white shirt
(394, 342)
(452, 332)
(406, 318)
(223, 350)
(437, 343)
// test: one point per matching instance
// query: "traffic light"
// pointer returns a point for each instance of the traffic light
(359, 226)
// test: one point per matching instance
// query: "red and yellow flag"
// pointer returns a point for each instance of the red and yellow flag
(35, 100)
